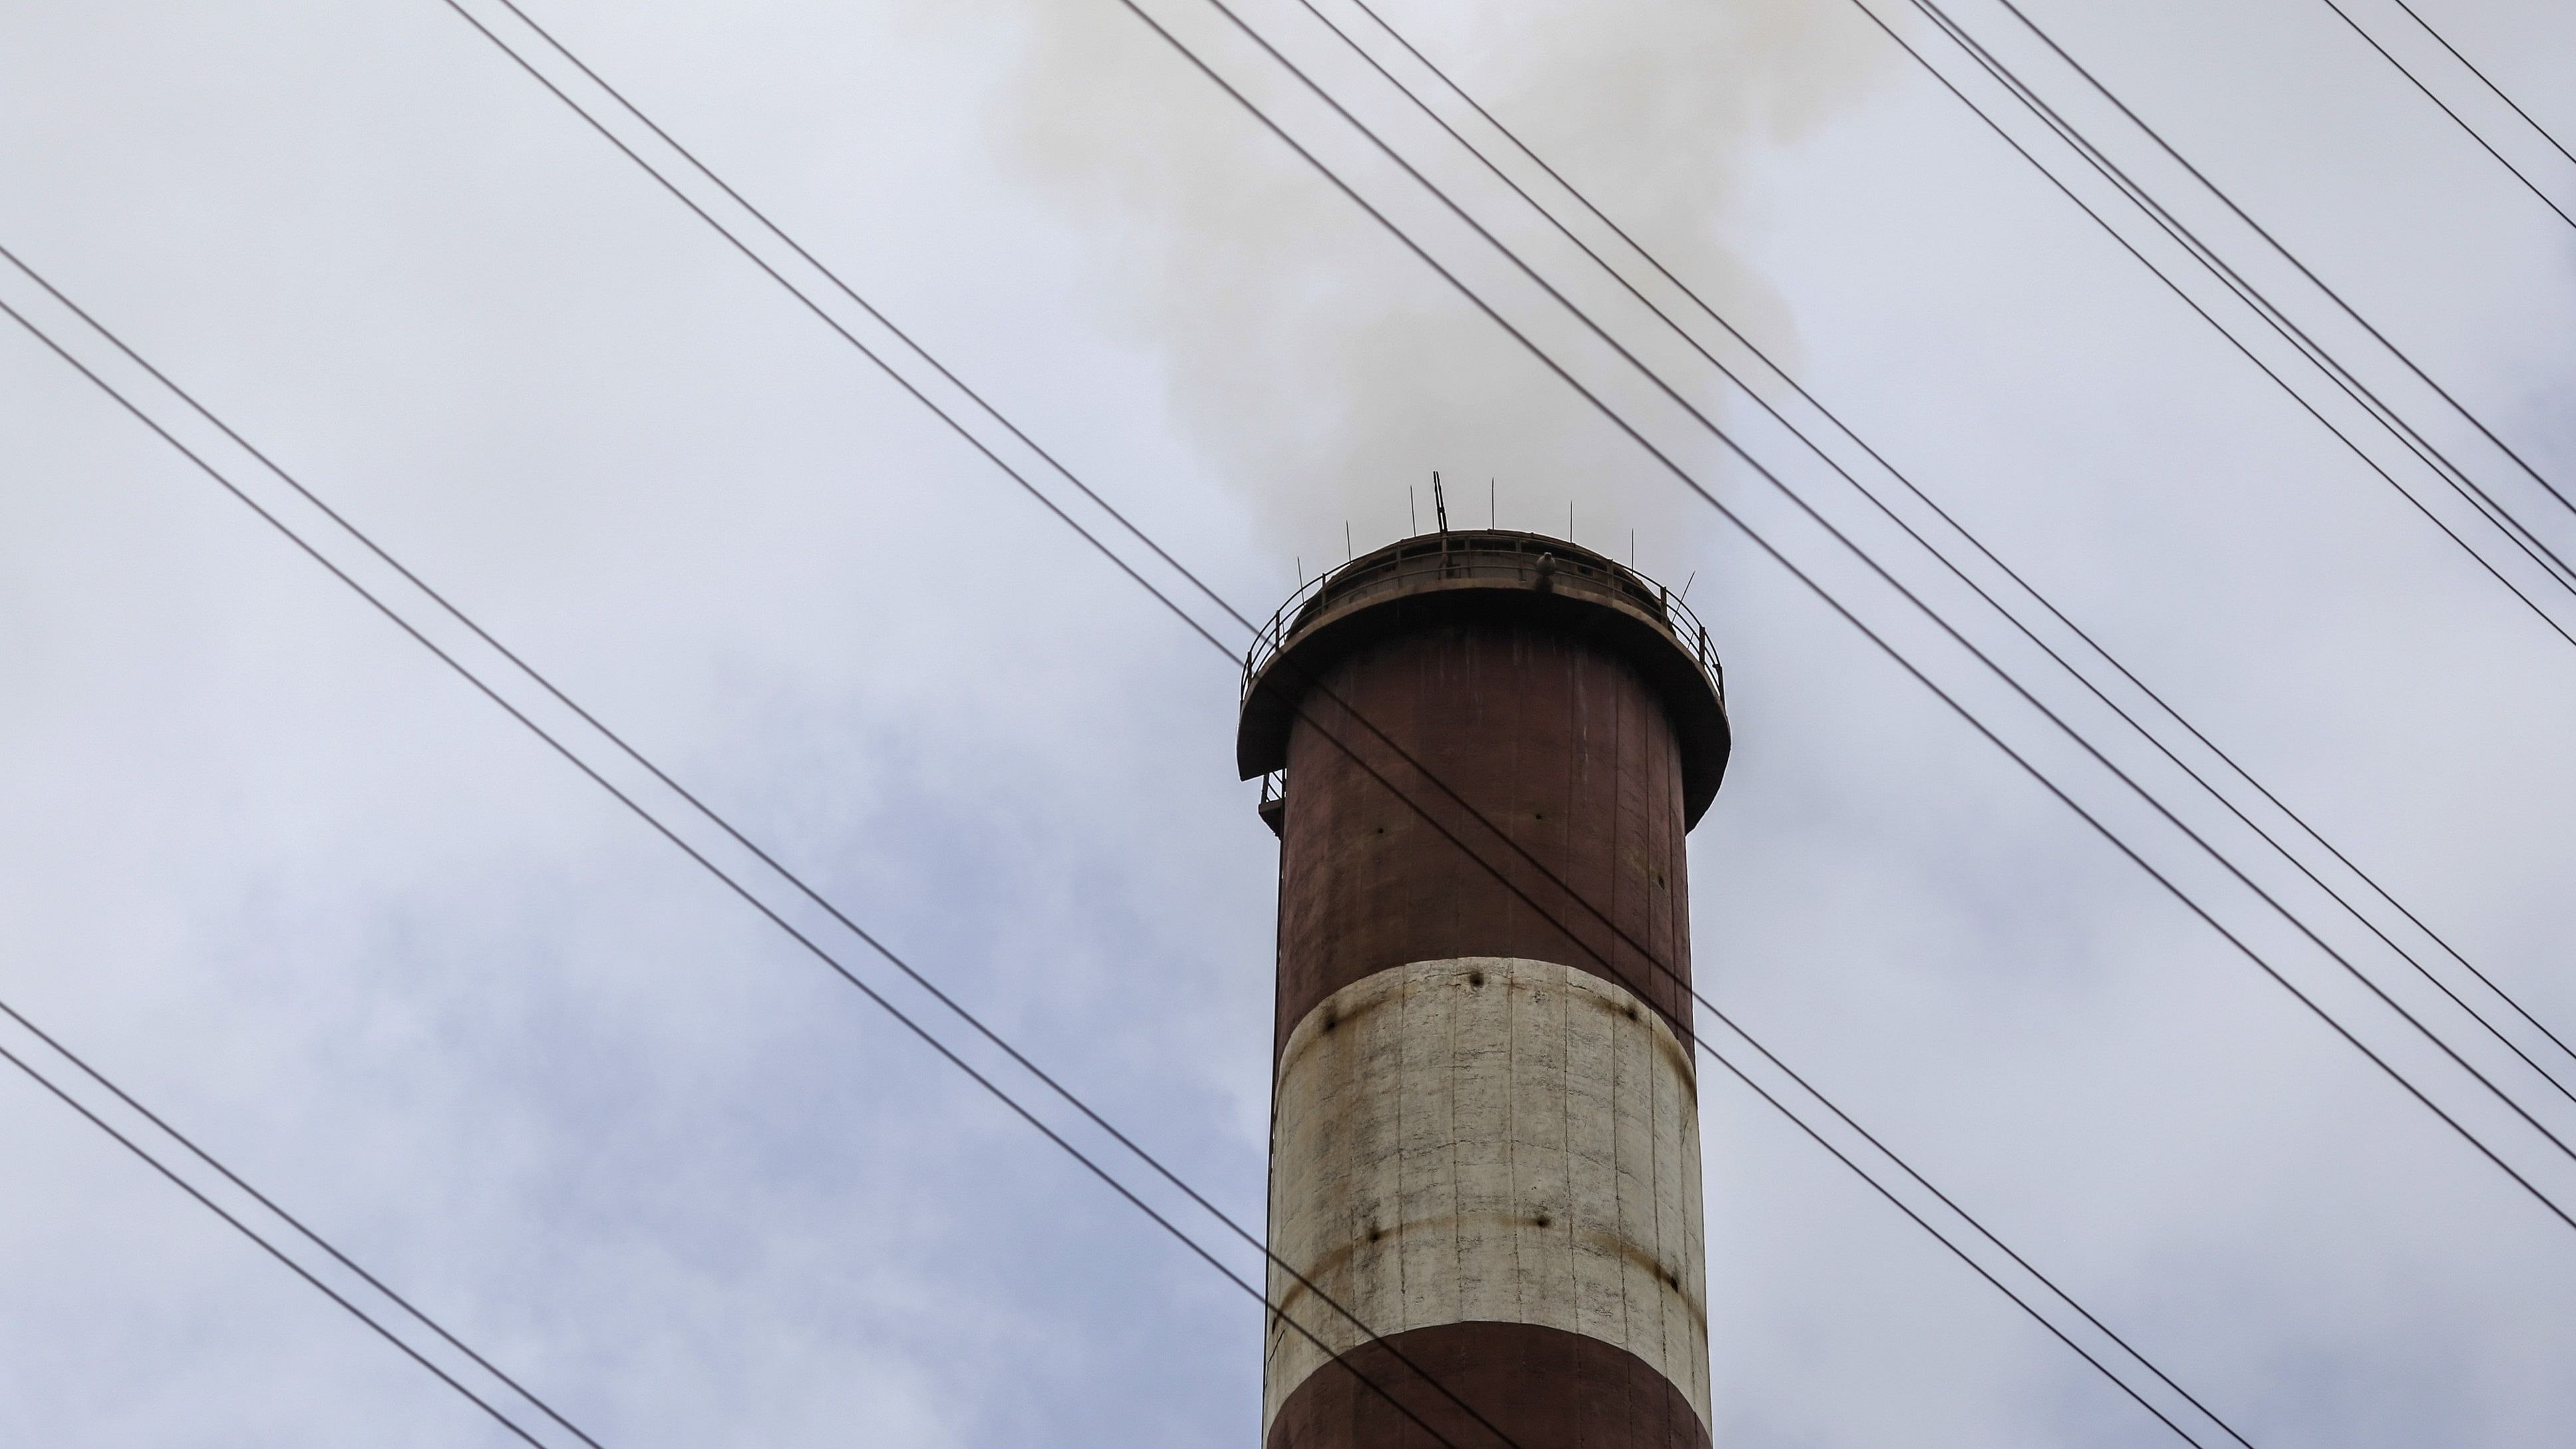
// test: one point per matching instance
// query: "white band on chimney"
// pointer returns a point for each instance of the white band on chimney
(1487, 1139)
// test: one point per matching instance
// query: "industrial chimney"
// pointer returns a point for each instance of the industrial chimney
(1484, 1137)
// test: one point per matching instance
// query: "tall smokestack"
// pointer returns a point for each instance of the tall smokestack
(1484, 1124)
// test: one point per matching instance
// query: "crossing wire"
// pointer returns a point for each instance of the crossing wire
(832, 276)
(2031, 98)
(1946, 518)
(1392, 788)
(981, 1079)
(977, 1024)
(2456, 118)
(1767, 1096)
(692, 852)
(290, 1219)
(270, 1248)
(2445, 1117)
(2497, 91)
(2474, 496)
(1763, 471)
(1198, 62)
(1034, 492)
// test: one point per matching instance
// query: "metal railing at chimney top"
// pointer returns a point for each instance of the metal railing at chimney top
(1470, 556)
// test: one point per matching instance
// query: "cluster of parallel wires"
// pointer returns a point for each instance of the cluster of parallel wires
(2547, 587)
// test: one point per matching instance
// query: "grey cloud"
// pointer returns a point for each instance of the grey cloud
(308, 895)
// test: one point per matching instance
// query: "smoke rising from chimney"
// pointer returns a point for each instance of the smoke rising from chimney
(1319, 370)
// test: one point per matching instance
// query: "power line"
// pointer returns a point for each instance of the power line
(1946, 518)
(1228, 607)
(2152, 134)
(270, 1248)
(2425, 1100)
(2468, 492)
(560, 748)
(2209, 258)
(668, 833)
(2456, 118)
(489, 692)
(1033, 492)
(342, 522)
(737, 242)
(990, 1086)
(1150, 1210)
(1656, 961)
(1670, 465)
(2427, 27)
(290, 1219)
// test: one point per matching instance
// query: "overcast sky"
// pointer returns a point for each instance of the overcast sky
(299, 888)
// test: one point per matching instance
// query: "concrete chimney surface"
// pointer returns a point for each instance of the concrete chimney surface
(1484, 1141)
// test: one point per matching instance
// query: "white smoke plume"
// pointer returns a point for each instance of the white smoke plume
(1316, 367)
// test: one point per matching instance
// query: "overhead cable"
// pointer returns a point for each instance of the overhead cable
(290, 1219)
(2049, 114)
(809, 303)
(1768, 1096)
(671, 834)
(983, 1080)
(2445, 106)
(1952, 523)
(1670, 465)
(1667, 462)
(1204, 589)
(2497, 91)
(494, 1411)
(2484, 506)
